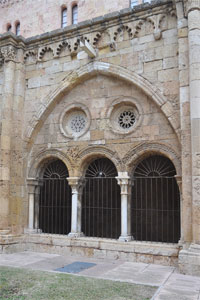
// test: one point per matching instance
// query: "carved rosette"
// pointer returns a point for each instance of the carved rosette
(7, 54)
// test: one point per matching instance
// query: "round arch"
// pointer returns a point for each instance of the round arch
(88, 71)
(134, 156)
(89, 154)
(39, 162)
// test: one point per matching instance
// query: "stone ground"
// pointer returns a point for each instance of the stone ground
(171, 285)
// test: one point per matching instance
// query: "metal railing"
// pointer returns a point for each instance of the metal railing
(55, 206)
(155, 209)
(101, 208)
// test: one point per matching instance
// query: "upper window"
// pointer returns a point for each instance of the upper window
(17, 29)
(134, 3)
(9, 27)
(75, 14)
(64, 18)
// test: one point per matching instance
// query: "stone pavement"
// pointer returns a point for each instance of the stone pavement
(171, 285)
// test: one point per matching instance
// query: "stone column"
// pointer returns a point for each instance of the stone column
(194, 75)
(189, 258)
(125, 184)
(77, 185)
(32, 188)
(7, 57)
(183, 62)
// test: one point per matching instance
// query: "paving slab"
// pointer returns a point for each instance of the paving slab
(171, 285)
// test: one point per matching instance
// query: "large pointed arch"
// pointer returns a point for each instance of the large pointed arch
(88, 71)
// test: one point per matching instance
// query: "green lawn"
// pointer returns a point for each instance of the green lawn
(21, 284)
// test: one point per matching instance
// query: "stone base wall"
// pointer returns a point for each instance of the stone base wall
(146, 252)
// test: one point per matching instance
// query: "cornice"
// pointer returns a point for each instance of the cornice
(128, 19)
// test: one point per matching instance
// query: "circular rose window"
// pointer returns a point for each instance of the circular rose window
(75, 121)
(125, 116)
(126, 119)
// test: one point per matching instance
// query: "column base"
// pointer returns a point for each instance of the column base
(76, 234)
(32, 231)
(189, 260)
(127, 238)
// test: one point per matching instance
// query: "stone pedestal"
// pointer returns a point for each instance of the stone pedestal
(77, 185)
(189, 260)
(125, 184)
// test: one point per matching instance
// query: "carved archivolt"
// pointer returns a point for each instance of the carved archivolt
(61, 46)
(30, 53)
(89, 153)
(45, 50)
(39, 162)
(135, 155)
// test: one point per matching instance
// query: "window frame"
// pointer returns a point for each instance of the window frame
(63, 23)
(17, 28)
(75, 19)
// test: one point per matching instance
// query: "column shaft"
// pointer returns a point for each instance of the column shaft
(125, 185)
(194, 65)
(5, 142)
(77, 187)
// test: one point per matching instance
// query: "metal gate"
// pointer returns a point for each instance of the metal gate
(155, 205)
(101, 201)
(55, 200)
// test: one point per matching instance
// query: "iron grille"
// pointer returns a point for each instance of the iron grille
(55, 200)
(101, 208)
(101, 202)
(155, 205)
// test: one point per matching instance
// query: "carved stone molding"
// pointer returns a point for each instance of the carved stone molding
(7, 54)
(138, 152)
(73, 153)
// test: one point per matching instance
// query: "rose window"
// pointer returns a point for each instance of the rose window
(126, 119)
(77, 123)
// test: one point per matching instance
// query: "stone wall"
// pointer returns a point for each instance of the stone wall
(139, 60)
(38, 16)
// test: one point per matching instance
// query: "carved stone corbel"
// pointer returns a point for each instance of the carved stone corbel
(156, 22)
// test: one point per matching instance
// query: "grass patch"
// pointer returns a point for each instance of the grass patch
(22, 284)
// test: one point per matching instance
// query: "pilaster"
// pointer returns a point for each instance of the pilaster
(7, 58)
(189, 258)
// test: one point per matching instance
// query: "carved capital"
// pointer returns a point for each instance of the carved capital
(32, 185)
(125, 183)
(76, 183)
(7, 54)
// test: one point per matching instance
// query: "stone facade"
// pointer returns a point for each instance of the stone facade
(147, 58)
